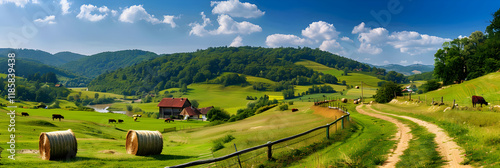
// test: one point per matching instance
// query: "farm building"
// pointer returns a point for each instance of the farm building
(172, 107)
(191, 113)
(204, 112)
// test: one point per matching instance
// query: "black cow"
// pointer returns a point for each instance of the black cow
(25, 114)
(57, 116)
(111, 120)
(478, 100)
(120, 120)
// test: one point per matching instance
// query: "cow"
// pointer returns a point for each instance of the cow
(478, 100)
(120, 120)
(111, 121)
(25, 114)
(137, 115)
(294, 110)
(168, 120)
(57, 116)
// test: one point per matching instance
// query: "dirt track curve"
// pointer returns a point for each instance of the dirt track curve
(447, 148)
(403, 136)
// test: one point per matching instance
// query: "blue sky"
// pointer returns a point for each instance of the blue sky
(377, 32)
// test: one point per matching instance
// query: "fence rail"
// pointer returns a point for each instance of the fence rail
(269, 144)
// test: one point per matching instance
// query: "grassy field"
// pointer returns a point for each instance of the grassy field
(486, 86)
(91, 94)
(96, 137)
(367, 147)
(477, 132)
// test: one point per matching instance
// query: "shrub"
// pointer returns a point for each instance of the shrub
(284, 107)
(217, 114)
(290, 103)
(217, 146)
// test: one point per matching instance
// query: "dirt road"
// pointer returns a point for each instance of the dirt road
(447, 148)
(403, 136)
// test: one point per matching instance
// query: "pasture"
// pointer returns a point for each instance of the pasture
(103, 145)
(91, 94)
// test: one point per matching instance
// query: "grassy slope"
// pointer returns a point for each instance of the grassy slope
(477, 132)
(486, 86)
(94, 135)
(91, 94)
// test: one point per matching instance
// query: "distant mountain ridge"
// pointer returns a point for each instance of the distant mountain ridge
(42, 56)
(407, 70)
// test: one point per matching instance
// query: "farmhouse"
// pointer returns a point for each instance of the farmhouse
(191, 113)
(204, 112)
(172, 107)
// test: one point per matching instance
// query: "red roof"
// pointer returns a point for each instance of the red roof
(191, 111)
(205, 110)
(173, 102)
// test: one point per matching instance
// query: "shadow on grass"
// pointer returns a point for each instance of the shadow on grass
(169, 157)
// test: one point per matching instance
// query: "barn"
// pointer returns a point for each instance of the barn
(172, 107)
(191, 113)
(204, 112)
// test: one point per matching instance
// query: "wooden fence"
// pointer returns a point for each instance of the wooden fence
(269, 145)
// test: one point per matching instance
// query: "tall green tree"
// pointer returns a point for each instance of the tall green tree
(387, 92)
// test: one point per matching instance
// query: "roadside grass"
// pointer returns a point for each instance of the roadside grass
(368, 146)
(477, 132)
(95, 136)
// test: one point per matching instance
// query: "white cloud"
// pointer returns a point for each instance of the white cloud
(367, 59)
(320, 31)
(137, 12)
(386, 62)
(359, 28)
(114, 12)
(369, 49)
(332, 46)
(65, 5)
(277, 40)
(237, 42)
(86, 10)
(417, 62)
(235, 8)
(47, 20)
(461, 37)
(228, 26)
(409, 42)
(199, 29)
(346, 39)
(403, 62)
(18, 3)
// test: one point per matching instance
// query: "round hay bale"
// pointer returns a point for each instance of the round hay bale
(343, 100)
(144, 143)
(57, 145)
(355, 102)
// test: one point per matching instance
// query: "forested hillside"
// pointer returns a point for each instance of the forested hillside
(97, 64)
(42, 56)
(179, 69)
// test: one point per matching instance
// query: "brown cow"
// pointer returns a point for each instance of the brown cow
(168, 120)
(478, 100)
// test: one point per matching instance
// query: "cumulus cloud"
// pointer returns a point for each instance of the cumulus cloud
(277, 40)
(235, 8)
(199, 28)
(409, 42)
(86, 12)
(347, 39)
(320, 31)
(65, 5)
(137, 12)
(226, 26)
(237, 42)
(332, 46)
(461, 37)
(18, 3)
(114, 12)
(47, 20)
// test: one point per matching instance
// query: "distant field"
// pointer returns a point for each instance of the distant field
(91, 94)
(351, 79)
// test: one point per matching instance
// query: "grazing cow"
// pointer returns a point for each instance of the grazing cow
(120, 120)
(57, 116)
(294, 110)
(111, 121)
(168, 120)
(137, 115)
(25, 114)
(478, 100)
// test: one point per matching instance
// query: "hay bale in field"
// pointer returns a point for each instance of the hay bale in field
(357, 87)
(144, 143)
(343, 100)
(57, 145)
(355, 102)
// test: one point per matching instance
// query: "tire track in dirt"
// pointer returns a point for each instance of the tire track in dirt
(403, 136)
(447, 148)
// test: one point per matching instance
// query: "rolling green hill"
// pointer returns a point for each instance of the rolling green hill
(97, 64)
(42, 56)
(486, 86)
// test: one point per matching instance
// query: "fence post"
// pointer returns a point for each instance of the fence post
(453, 104)
(239, 162)
(342, 122)
(327, 131)
(269, 151)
